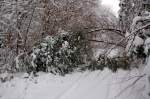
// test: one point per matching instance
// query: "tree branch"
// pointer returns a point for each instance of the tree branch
(135, 32)
(101, 41)
(27, 31)
(119, 32)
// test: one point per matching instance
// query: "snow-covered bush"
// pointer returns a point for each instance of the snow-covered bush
(114, 63)
(5, 77)
(136, 48)
(60, 54)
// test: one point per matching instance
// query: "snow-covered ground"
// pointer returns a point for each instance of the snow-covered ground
(87, 85)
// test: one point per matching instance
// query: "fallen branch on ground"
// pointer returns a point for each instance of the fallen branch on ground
(130, 85)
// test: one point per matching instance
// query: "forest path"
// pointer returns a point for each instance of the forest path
(87, 85)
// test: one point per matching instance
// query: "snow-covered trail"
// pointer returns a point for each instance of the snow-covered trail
(87, 85)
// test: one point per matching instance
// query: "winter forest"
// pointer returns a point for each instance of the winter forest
(74, 49)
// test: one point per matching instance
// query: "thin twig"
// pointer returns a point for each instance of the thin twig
(130, 85)
(130, 78)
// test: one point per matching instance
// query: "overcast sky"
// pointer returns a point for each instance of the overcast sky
(113, 4)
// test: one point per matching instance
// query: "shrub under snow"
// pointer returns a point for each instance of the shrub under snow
(57, 54)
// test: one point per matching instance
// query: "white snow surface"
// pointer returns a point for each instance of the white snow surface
(138, 41)
(87, 85)
(147, 45)
(147, 79)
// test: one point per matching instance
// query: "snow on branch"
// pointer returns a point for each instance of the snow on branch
(106, 42)
(133, 33)
(119, 32)
(138, 19)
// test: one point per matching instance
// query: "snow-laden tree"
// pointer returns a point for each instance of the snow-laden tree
(128, 10)
(138, 42)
